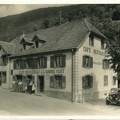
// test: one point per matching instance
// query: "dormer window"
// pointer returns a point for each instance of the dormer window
(39, 40)
(36, 44)
(103, 45)
(91, 39)
(24, 46)
(27, 43)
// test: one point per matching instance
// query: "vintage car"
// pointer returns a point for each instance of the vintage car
(113, 97)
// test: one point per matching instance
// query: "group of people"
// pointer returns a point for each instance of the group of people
(23, 87)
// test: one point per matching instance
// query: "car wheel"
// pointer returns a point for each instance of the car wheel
(107, 102)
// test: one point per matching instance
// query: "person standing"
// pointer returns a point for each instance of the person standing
(33, 88)
(20, 85)
(13, 86)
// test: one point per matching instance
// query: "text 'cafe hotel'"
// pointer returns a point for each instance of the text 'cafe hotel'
(66, 62)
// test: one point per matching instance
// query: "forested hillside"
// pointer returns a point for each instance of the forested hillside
(104, 17)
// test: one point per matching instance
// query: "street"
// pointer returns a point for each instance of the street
(22, 104)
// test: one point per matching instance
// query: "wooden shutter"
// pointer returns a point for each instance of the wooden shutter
(91, 81)
(91, 62)
(83, 61)
(83, 82)
(45, 62)
(35, 63)
(64, 82)
(63, 60)
(51, 81)
(52, 62)
(15, 65)
(107, 64)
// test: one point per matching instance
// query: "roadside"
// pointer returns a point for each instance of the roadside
(13, 103)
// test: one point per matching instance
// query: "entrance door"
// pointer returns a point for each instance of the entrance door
(40, 83)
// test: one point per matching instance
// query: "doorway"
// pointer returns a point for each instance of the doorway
(40, 84)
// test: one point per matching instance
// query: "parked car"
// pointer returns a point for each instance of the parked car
(113, 97)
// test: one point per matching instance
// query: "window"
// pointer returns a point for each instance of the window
(24, 46)
(114, 80)
(36, 44)
(103, 45)
(3, 77)
(87, 81)
(30, 63)
(105, 64)
(19, 64)
(4, 60)
(105, 80)
(87, 61)
(0, 48)
(58, 61)
(42, 62)
(58, 81)
(91, 41)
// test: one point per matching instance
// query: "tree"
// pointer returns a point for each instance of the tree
(113, 53)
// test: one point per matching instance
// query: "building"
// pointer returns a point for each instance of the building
(66, 61)
(6, 49)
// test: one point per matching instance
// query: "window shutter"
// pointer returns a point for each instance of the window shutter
(91, 62)
(64, 82)
(91, 81)
(102, 64)
(35, 63)
(83, 61)
(15, 65)
(63, 60)
(107, 64)
(45, 62)
(83, 82)
(2, 61)
(52, 62)
(51, 81)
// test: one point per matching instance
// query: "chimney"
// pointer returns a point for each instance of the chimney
(22, 36)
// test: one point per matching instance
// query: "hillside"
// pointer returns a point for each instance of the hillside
(101, 16)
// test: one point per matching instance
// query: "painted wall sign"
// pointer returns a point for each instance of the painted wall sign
(36, 71)
(94, 51)
(97, 63)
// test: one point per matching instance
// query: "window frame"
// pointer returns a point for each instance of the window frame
(61, 84)
(87, 83)
(90, 61)
(114, 80)
(91, 41)
(58, 61)
(105, 64)
(105, 80)
(43, 63)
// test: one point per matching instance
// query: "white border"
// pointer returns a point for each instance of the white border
(59, 2)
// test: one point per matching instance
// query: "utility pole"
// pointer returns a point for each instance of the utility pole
(60, 16)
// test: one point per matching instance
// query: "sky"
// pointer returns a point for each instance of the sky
(11, 9)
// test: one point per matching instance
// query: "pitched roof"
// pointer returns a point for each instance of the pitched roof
(27, 40)
(8, 47)
(40, 37)
(65, 36)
